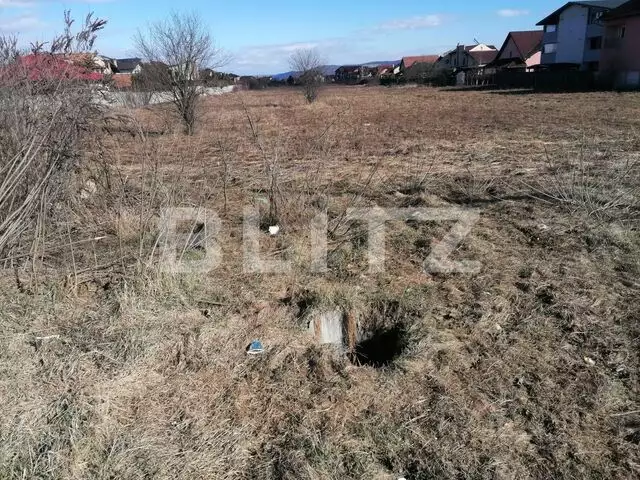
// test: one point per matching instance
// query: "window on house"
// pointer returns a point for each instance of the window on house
(595, 43)
(550, 47)
(614, 36)
(595, 16)
(550, 28)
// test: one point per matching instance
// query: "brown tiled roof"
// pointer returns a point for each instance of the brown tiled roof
(410, 61)
(484, 56)
(526, 42)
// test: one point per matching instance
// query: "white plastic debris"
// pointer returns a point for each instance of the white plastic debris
(88, 190)
(589, 361)
(274, 230)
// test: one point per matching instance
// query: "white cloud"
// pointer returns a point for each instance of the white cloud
(16, 3)
(20, 24)
(360, 45)
(413, 23)
(266, 57)
(512, 12)
(297, 46)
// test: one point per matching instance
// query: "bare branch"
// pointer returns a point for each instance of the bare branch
(308, 64)
(175, 50)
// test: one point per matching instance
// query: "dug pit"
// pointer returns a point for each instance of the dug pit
(375, 340)
(380, 347)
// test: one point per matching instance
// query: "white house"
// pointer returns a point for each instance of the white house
(573, 34)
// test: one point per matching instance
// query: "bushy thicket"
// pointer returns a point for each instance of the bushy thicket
(45, 104)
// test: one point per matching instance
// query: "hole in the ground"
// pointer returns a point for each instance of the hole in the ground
(383, 335)
(268, 220)
(380, 347)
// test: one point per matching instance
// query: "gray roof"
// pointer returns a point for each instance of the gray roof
(629, 9)
(606, 4)
(127, 65)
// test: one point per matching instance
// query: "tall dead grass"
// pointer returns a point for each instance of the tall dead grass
(42, 115)
(527, 370)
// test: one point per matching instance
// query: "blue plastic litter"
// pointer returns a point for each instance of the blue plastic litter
(255, 348)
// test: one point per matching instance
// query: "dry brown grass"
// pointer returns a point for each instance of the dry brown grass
(527, 370)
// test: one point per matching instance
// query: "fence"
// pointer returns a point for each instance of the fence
(569, 80)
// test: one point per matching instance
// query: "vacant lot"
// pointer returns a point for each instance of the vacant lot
(114, 366)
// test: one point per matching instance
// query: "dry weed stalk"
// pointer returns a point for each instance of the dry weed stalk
(270, 164)
(598, 190)
(44, 108)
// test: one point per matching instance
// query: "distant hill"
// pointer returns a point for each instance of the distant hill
(283, 76)
(330, 69)
(383, 62)
(326, 70)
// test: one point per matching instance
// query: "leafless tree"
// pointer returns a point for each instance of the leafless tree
(175, 50)
(308, 63)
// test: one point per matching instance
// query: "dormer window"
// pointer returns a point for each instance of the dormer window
(550, 28)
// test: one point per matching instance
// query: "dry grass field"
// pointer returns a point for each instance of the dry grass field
(113, 367)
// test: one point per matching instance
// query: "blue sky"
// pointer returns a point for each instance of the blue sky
(261, 34)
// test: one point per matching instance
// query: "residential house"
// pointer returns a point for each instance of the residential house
(520, 51)
(384, 70)
(124, 69)
(468, 57)
(104, 65)
(134, 72)
(621, 53)
(89, 61)
(129, 66)
(184, 71)
(482, 55)
(353, 73)
(347, 73)
(44, 67)
(210, 76)
(573, 34)
(411, 67)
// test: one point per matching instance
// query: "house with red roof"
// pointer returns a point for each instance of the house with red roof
(408, 62)
(44, 67)
(520, 51)
(410, 67)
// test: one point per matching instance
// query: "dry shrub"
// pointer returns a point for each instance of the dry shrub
(45, 104)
